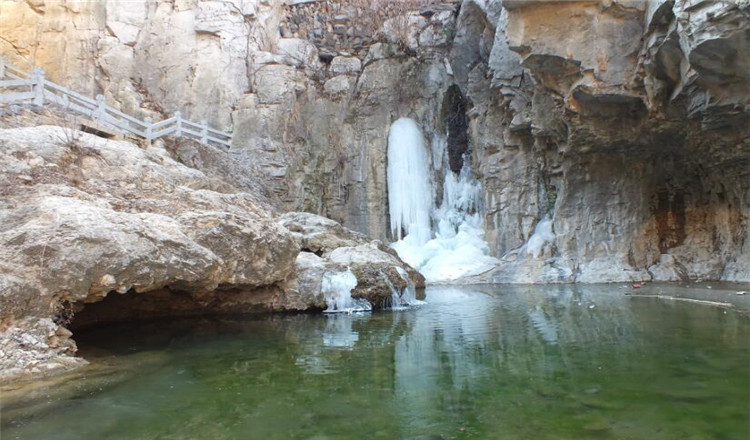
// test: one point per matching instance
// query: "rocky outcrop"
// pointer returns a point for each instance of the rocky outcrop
(98, 231)
(83, 218)
(319, 235)
(34, 346)
(378, 273)
(328, 248)
(308, 102)
(625, 133)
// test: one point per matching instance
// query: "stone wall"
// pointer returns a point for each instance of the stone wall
(351, 27)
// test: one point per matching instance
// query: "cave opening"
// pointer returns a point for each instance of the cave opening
(117, 308)
(456, 124)
(163, 304)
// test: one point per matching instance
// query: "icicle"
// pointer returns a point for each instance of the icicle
(409, 294)
(406, 297)
(396, 302)
(439, 145)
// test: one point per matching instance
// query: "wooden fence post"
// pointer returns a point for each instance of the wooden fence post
(178, 120)
(101, 109)
(2, 67)
(204, 132)
(149, 130)
(37, 81)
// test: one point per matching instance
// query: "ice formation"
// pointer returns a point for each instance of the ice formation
(406, 297)
(542, 234)
(337, 288)
(409, 189)
(458, 248)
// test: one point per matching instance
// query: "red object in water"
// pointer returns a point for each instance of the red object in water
(636, 285)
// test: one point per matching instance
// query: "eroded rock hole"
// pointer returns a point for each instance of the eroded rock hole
(456, 124)
(169, 303)
(318, 252)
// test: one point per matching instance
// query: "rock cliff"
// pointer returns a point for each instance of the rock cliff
(631, 134)
(624, 122)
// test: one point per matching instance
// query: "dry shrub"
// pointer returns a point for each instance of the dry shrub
(70, 138)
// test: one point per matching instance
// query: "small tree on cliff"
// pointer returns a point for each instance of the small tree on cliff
(387, 20)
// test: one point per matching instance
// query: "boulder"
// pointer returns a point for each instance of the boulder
(304, 290)
(328, 247)
(377, 272)
(276, 82)
(346, 65)
(339, 85)
(380, 51)
(302, 51)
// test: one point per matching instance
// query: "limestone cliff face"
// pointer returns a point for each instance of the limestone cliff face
(312, 120)
(626, 122)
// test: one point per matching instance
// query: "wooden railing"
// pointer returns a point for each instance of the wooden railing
(17, 86)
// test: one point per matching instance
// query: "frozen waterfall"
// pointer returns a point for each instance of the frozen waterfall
(409, 189)
(457, 248)
(406, 297)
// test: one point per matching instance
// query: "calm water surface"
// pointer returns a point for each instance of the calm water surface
(560, 362)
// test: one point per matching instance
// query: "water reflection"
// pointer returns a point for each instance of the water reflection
(339, 332)
(487, 362)
(545, 325)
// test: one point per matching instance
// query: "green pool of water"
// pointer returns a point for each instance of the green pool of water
(559, 362)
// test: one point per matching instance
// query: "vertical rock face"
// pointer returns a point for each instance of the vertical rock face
(625, 122)
(627, 132)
